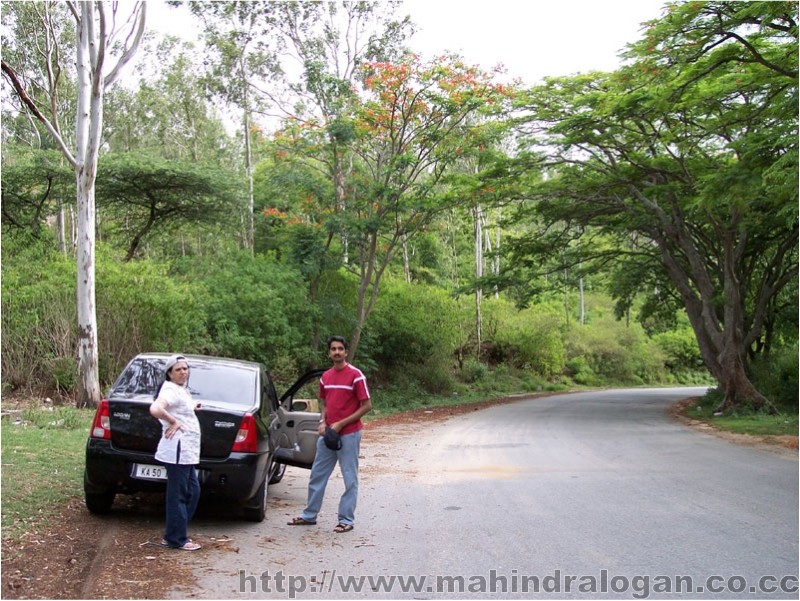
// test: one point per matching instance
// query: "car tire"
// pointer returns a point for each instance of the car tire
(256, 509)
(278, 470)
(99, 503)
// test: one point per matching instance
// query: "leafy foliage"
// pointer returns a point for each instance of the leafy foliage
(608, 351)
(411, 322)
(144, 194)
(684, 157)
(255, 310)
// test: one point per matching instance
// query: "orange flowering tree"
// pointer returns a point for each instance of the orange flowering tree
(408, 126)
(417, 122)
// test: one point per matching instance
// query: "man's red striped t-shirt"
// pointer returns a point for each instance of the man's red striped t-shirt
(343, 392)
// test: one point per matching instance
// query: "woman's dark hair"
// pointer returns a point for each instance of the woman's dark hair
(333, 339)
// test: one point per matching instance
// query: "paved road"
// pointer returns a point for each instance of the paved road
(586, 495)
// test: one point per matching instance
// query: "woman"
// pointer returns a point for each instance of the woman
(179, 451)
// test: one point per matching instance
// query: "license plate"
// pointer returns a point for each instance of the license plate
(144, 471)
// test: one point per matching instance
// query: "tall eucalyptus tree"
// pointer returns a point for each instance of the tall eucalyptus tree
(103, 46)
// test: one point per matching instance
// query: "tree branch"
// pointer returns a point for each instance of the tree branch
(31, 106)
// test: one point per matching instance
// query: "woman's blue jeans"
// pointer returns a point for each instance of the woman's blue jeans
(183, 493)
(324, 462)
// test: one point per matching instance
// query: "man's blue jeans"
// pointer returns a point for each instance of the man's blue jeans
(183, 492)
(324, 462)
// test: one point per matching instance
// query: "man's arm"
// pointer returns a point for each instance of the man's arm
(321, 427)
(364, 408)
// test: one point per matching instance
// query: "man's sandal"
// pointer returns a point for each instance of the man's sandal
(340, 528)
(300, 522)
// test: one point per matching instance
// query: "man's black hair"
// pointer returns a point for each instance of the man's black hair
(333, 339)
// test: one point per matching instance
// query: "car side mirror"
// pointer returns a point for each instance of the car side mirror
(305, 405)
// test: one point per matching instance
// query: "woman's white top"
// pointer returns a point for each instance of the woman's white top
(184, 446)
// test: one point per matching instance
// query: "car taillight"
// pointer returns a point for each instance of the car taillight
(247, 436)
(101, 426)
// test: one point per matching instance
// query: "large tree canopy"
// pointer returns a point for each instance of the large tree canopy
(148, 194)
(688, 156)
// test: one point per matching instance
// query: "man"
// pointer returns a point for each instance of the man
(344, 400)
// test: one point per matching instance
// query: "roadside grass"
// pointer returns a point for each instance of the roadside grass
(42, 465)
(745, 422)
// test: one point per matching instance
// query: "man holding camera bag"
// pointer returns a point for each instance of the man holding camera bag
(344, 400)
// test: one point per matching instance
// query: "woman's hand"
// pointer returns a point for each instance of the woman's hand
(173, 428)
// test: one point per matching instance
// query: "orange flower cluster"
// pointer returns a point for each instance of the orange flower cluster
(273, 212)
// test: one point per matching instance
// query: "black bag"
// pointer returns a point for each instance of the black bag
(332, 439)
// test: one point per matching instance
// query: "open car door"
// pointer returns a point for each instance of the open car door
(294, 428)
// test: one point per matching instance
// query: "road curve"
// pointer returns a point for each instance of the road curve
(578, 495)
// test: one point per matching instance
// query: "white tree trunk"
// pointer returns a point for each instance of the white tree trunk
(88, 126)
(406, 264)
(478, 215)
(496, 258)
(248, 157)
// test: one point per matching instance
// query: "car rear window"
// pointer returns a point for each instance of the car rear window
(209, 381)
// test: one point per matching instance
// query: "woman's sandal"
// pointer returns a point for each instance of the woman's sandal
(300, 522)
(340, 528)
(189, 546)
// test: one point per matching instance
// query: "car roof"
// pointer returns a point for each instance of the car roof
(204, 359)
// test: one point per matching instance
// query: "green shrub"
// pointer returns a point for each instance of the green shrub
(38, 317)
(141, 307)
(682, 354)
(775, 375)
(473, 370)
(578, 369)
(138, 305)
(65, 374)
(413, 324)
(617, 353)
(530, 339)
(255, 309)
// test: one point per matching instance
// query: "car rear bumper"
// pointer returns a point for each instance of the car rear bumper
(237, 477)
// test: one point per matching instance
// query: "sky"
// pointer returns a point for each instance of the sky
(531, 38)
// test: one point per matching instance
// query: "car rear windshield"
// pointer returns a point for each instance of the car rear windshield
(209, 381)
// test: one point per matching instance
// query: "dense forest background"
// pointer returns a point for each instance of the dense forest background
(304, 173)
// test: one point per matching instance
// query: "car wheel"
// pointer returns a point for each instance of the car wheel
(277, 471)
(99, 502)
(256, 509)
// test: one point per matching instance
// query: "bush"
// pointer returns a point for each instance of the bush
(616, 353)
(530, 339)
(413, 324)
(473, 371)
(682, 354)
(139, 307)
(255, 309)
(775, 375)
(38, 318)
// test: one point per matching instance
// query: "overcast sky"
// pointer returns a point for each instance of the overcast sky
(531, 38)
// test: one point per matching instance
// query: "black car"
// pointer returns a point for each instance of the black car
(249, 435)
